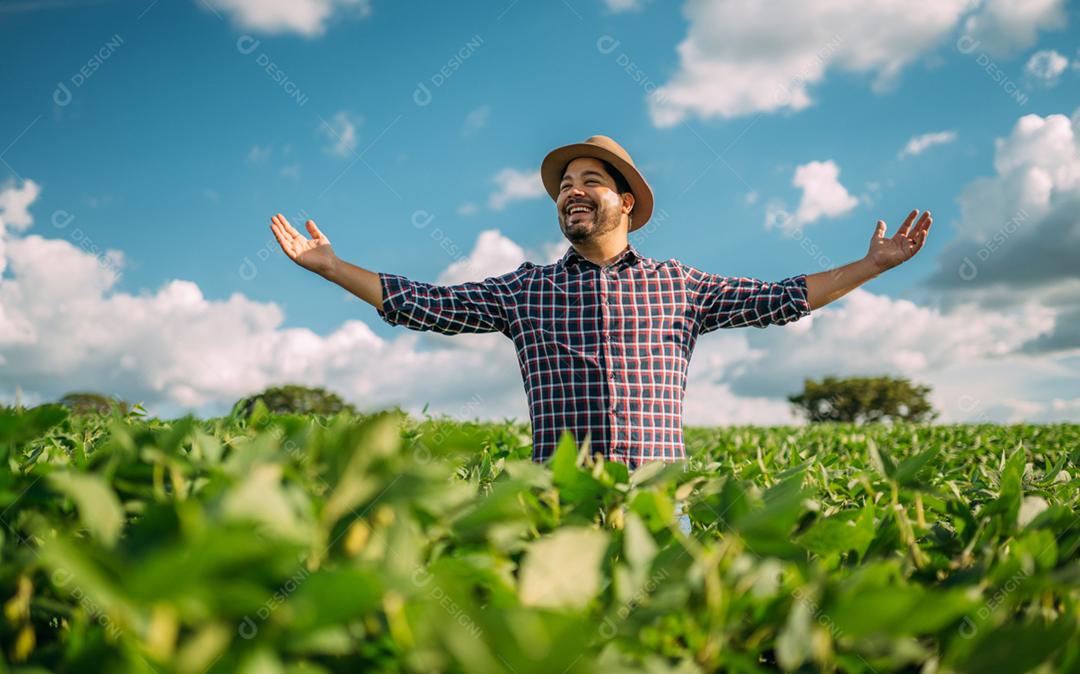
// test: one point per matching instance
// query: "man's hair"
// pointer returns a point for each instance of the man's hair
(621, 185)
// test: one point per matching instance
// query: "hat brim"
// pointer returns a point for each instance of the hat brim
(551, 173)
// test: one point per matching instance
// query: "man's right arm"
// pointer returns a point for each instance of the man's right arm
(359, 281)
(448, 309)
(316, 255)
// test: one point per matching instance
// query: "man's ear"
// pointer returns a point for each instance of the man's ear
(628, 201)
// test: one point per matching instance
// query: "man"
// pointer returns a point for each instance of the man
(604, 335)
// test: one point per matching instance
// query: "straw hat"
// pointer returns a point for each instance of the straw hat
(600, 147)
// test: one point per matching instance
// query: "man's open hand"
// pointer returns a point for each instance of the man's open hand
(887, 253)
(314, 254)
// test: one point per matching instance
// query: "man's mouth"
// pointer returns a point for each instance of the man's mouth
(576, 212)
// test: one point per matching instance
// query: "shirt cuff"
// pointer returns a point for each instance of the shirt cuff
(394, 296)
(799, 294)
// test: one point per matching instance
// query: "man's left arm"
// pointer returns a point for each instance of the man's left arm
(884, 254)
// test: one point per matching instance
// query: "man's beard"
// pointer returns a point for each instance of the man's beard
(603, 220)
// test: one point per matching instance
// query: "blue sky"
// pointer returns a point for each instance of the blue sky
(162, 131)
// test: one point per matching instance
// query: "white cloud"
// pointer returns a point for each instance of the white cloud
(476, 120)
(620, 6)
(552, 251)
(1037, 166)
(15, 202)
(340, 130)
(743, 56)
(259, 153)
(866, 334)
(822, 197)
(1046, 66)
(64, 326)
(492, 255)
(1003, 26)
(917, 144)
(304, 17)
(514, 185)
(1018, 236)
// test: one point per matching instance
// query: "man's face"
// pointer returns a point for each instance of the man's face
(589, 203)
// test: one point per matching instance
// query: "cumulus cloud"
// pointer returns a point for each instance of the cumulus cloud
(1019, 231)
(15, 201)
(493, 254)
(303, 17)
(1046, 67)
(1028, 208)
(64, 326)
(970, 356)
(868, 332)
(1003, 26)
(822, 196)
(918, 144)
(743, 56)
(514, 185)
(340, 131)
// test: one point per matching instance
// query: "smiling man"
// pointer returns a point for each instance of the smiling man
(604, 335)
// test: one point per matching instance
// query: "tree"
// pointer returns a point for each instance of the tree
(88, 402)
(864, 400)
(294, 399)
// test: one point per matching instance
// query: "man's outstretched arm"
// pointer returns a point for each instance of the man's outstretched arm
(448, 309)
(884, 254)
(316, 255)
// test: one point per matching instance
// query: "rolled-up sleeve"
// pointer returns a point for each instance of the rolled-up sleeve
(738, 301)
(448, 309)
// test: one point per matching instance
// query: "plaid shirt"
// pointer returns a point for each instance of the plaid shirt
(603, 352)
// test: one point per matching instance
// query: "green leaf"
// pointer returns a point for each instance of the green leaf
(638, 544)
(333, 597)
(562, 571)
(261, 498)
(836, 534)
(99, 508)
(767, 529)
(898, 610)
(794, 643)
(576, 486)
(1014, 648)
(908, 469)
(376, 439)
(655, 508)
(881, 460)
(1010, 491)
(19, 426)
(564, 464)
